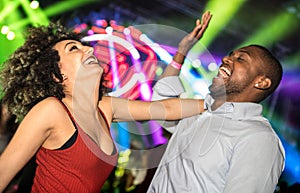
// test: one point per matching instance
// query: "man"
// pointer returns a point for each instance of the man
(231, 147)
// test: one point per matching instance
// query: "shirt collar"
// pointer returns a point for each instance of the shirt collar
(235, 110)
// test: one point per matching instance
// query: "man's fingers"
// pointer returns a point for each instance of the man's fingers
(201, 25)
(198, 22)
(204, 23)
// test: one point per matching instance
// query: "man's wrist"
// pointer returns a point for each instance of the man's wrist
(176, 65)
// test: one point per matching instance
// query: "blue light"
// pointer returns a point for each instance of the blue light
(292, 163)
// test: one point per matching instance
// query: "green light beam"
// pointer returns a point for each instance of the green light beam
(8, 8)
(281, 26)
(52, 11)
(36, 16)
(9, 46)
(222, 12)
(65, 6)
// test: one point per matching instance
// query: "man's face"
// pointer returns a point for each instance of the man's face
(237, 73)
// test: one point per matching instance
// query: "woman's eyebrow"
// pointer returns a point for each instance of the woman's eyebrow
(69, 44)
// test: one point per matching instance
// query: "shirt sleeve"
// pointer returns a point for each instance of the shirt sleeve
(256, 165)
(167, 87)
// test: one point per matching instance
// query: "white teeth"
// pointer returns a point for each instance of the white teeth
(90, 60)
(225, 72)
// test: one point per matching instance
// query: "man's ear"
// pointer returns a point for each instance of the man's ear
(263, 83)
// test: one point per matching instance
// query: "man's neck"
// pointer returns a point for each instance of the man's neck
(217, 104)
(218, 100)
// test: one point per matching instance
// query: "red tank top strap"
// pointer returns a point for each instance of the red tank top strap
(67, 110)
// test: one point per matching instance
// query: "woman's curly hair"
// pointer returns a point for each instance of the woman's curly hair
(28, 75)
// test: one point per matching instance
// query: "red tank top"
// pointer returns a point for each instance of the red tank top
(74, 170)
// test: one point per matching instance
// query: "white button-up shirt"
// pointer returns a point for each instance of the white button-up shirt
(232, 149)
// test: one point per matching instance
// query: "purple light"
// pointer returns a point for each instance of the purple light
(90, 32)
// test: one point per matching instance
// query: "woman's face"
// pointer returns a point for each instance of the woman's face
(75, 58)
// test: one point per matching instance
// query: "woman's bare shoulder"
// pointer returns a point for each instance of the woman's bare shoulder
(49, 108)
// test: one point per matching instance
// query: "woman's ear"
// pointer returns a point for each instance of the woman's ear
(64, 77)
(263, 83)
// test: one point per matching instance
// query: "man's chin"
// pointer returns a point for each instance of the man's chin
(217, 91)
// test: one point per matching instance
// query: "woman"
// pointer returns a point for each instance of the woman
(52, 84)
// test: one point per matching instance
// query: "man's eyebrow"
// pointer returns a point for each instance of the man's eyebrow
(239, 51)
(246, 52)
(230, 53)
